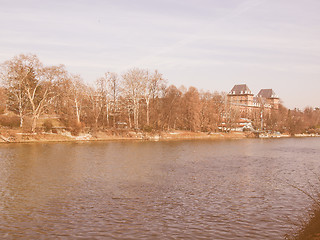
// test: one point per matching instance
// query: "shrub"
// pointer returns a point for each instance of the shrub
(76, 129)
(47, 126)
(9, 121)
(27, 123)
(2, 109)
(147, 128)
(311, 131)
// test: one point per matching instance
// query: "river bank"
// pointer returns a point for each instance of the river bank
(12, 136)
(15, 136)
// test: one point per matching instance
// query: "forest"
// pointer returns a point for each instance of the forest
(137, 100)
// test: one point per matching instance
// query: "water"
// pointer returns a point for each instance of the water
(156, 190)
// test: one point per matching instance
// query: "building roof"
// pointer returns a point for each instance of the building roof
(267, 93)
(241, 89)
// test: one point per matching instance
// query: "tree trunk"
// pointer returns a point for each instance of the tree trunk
(96, 122)
(114, 120)
(21, 119)
(34, 123)
(20, 114)
(130, 124)
(108, 115)
(136, 117)
(148, 118)
(78, 112)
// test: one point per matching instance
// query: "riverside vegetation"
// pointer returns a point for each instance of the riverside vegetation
(48, 99)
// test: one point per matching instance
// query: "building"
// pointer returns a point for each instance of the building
(241, 95)
(242, 98)
(269, 97)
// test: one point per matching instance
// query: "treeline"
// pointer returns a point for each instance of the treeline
(137, 99)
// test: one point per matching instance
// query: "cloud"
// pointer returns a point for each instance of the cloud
(228, 40)
(201, 32)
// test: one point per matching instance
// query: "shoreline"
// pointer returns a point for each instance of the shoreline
(19, 137)
(55, 138)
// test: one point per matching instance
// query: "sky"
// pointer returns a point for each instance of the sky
(208, 44)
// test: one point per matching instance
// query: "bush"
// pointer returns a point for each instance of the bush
(27, 124)
(147, 128)
(311, 131)
(9, 121)
(76, 129)
(47, 126)
(2, 109)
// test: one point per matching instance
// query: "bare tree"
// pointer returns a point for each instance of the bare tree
(16, 73)
(77, 93)
(3, 100)
(114, 87)
(192, 107)
(30, 85)
(230, 114)
(152, 85)
(41, 90)
(218, 106)
(134, 83)
(206, 112)
(97, 102)
(102, 91)
(171, 108)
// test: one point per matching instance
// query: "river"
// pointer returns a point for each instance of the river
(237, 189)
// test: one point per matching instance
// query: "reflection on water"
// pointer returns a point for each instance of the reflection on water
(155, 190)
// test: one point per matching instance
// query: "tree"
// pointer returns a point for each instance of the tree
(114, 87)
(218, 102)
(212, 105)
(30, 85)
(108, 89)
(96, 104)
(192, 107)
(77, 92)
(229, 114)
(41, 90)
(151, 88)
(171, 110)
(102, 98)
(16, 74)
(134, 84)
(295, 122)
(3, 100)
